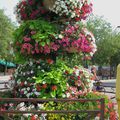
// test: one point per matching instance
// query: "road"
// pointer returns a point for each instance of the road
(109, 83)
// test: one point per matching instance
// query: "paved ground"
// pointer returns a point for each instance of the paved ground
(4, 79)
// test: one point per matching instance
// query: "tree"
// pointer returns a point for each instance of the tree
(115, 58)
(104, 38)
(6, 36)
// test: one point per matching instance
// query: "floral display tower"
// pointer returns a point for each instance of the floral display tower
(50, 31)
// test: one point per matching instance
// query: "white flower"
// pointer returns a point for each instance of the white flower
(22, 108)
(28, 95)
(77, 72)
(66, 7)
(25, 82)
(21, 104)
(37, 93)
(44, 82)
(68, 95)
(23, 74)
(73, 15)
(28, 88)
(25, 92)
(31, 107)
(40, 105)
(27, 115)
(32, 71)
(38, 67)
(60, 36)
(63, 95)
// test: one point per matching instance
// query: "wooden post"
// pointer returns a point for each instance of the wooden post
(118, 88)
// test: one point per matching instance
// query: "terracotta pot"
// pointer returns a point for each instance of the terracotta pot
(49, 3)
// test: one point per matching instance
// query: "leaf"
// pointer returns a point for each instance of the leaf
(42, 44)
(48, 41)
(53, 93)
(31, 26)
(39, 80)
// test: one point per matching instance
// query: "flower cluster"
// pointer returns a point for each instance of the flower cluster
(34, 9)
(75, 39)
(110, 112)
(31, 10)
(79, 82)
(25, 10)
(77, 9)
(40, 79)
(30, 40)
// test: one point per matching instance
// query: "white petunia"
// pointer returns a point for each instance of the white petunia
(28, 95)
(37, 93)
(28, 88)
(60, 36)
(25, 82)
(68, 95)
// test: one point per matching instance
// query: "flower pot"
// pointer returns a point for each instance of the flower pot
(49, 3)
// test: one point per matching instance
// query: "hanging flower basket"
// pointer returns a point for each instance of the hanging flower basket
(49, 3)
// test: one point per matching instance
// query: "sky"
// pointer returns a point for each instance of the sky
(110, 9)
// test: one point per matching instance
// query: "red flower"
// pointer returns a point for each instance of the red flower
(38, 87)
(54, 87)
(78, 77)
(32, 117)
(24, 3)
(76, 67)
(44, 86)
(17, 43)
(72, 77)
(110, 105)
(113, 115)
(22, 84)
(50, 61)
(66, 72)
(77, 18)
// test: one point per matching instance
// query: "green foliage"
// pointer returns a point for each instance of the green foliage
(79, 106)
(47, 80)
(6, 36)
(54, 77)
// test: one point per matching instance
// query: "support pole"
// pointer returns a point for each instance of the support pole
(118, 88)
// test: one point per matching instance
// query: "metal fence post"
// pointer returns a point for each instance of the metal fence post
(102, 109)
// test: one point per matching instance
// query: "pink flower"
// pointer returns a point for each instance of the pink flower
(46, 49)
(33, 32)
(31, 2)
(26, 46)
(54, 46)
(36, 48)
(26, 39)
(24, 16)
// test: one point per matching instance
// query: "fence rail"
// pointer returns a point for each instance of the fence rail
(37, 100)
